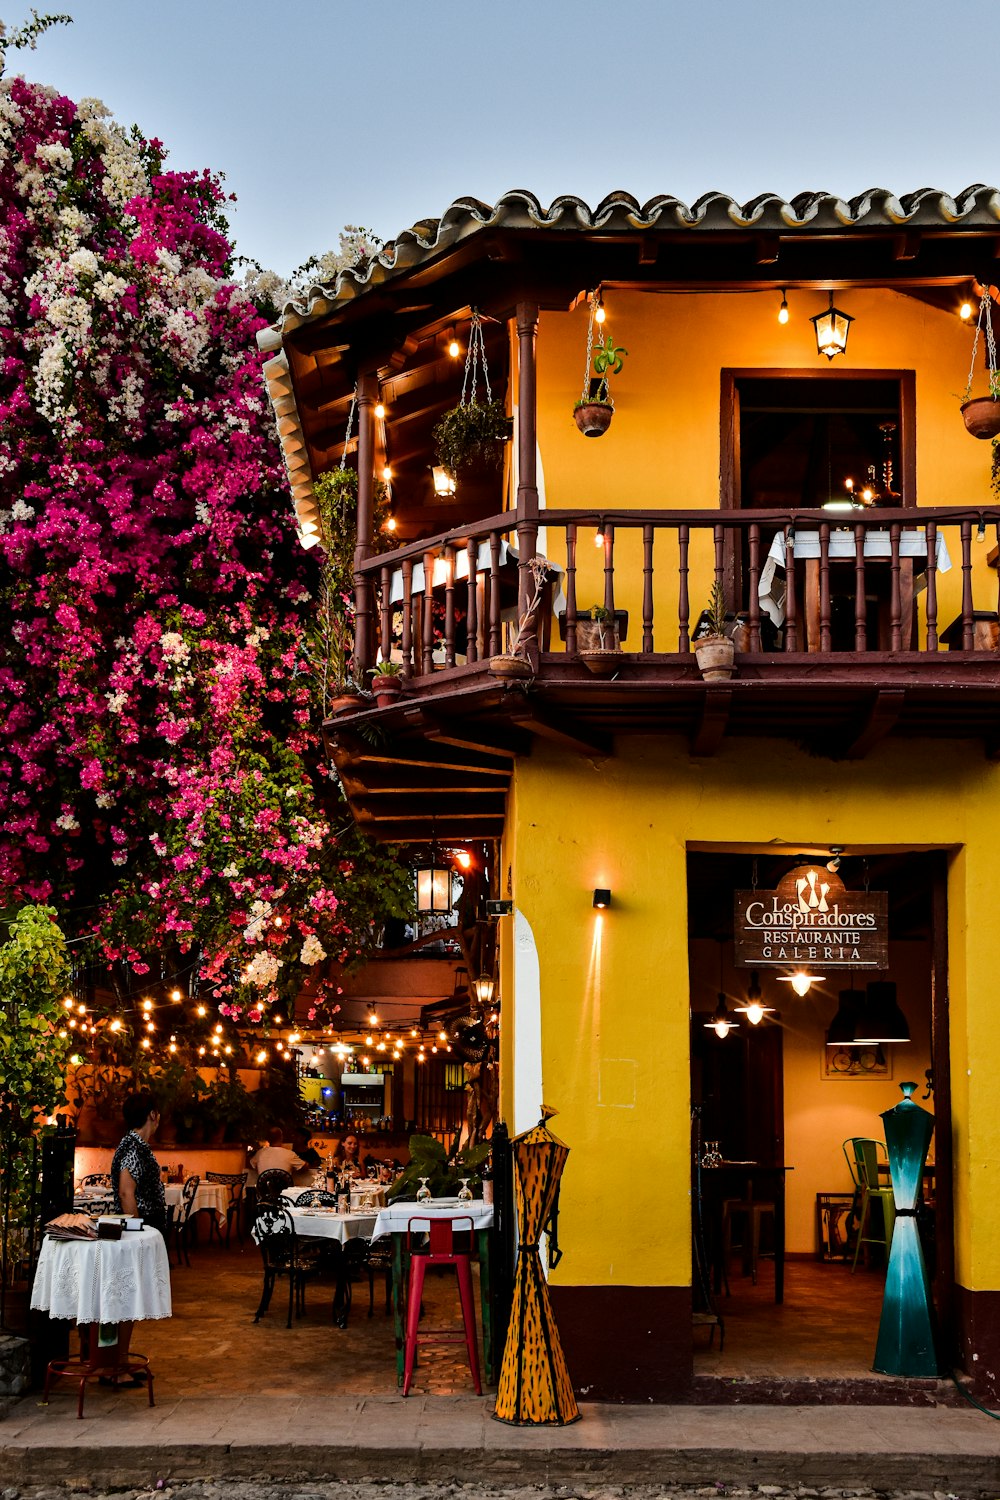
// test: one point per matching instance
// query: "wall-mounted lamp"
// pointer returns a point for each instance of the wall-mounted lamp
(602, 900)
(965, 311)
(783, 309)
(832, 328)
(454, 348)
(833, 863)
(444, 480)
(485, 987)
(721, 1020)
(380, 410)
(801, 982)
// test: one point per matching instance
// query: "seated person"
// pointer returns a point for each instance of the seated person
(347, 1157)
(307, 1154)
(276, 1154)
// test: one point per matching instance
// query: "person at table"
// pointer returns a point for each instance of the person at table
(347, 1157)
(276, 1154)
(135, 1172)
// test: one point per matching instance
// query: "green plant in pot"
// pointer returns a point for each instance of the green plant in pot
(595, 408)
(387, 681)
(981, 414)
(443, 1173)
(714, 651)
(471, 438)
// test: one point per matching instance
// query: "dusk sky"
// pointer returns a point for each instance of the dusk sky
(324, 114)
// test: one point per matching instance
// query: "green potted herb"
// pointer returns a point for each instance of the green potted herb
(387, 682)
(714, 651)
(595, 408)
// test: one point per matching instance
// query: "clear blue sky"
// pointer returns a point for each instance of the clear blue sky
(322, 113)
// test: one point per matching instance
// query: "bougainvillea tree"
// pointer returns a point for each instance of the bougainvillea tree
(162, 781)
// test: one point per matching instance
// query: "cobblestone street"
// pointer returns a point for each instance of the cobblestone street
(345, 1490)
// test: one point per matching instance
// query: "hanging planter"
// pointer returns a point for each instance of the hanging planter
(595, 408)
(982, 413)
(471, 438)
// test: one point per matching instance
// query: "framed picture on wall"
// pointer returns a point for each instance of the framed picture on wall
(856, 1062)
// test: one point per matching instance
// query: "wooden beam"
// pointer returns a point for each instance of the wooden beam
(881, 720)
(437, 765)
(441, 732)
(713, 722)
(563, 730)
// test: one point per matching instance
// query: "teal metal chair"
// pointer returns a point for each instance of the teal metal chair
(863, 1155)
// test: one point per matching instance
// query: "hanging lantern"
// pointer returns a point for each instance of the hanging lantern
(832, 328)
(434, 887)
(484, 987)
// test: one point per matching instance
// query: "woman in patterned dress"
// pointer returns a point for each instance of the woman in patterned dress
(135, 1172)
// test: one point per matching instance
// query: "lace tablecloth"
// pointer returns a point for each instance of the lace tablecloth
(104, 1281)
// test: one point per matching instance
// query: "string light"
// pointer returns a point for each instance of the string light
(201, 1011)
(783, 309)
(262, 1057)
(965, 311)
(380, 410)
(453, 349)
(146, 1043)
(69, 1002)
(176, 996)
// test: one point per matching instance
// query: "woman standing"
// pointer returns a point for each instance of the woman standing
(135, 1172)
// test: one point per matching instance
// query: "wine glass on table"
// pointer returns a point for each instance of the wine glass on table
(464, 1192)
(423, 1191)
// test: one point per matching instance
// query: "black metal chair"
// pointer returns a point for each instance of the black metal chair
(316, 1198)
(378, 1261)
(179, 1222)
(271, 1184)
(236, 1183)
(96, 1179)
(283, 1254)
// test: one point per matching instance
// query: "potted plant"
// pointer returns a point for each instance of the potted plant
(714, 651)
(595, 408)
(982, 413)
(598, 641)
(515, 663)
(387, 682)
(472, 437)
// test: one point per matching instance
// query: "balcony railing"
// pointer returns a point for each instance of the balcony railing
(794, 581)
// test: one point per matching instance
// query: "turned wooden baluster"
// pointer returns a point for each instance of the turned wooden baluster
(416, 619)
(385, 628)
(428, 653)
(683, 600)
(932, 569)
(895, 603)
(968, 624)
(719, 538)
(406, 643)
(860, 606)
(824, 586)
(647, 589)
(471, 621)
(791, 618)
(609, 568)
(754, 588)
(494, 605)
(449, 606)
(570, 588)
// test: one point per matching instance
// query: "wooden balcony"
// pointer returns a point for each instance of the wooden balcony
(849, 627)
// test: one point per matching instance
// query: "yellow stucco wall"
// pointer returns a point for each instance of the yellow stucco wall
(663, 447)
(615, 988)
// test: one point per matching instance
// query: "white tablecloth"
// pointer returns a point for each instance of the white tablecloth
(771, 589)
(326, 1226)
(211, 1195)
(104, 1281)
(370, 1189)
(395, 1218)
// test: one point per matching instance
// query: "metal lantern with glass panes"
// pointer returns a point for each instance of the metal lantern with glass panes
(435, 894)
(832, 328)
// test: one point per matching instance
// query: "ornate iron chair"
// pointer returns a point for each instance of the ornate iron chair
(236, 1183)
(272, 1183)
(96, 1179)
(179, 1223)
(316, 1198)
(283, 1254)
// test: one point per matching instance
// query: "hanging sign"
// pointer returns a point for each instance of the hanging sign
(811, 919)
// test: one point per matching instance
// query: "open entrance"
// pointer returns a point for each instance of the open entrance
(787, 1253)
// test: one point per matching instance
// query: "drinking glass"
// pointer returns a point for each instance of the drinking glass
(464, 1192)
(423, 1191)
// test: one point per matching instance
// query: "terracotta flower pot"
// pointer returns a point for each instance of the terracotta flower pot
(511, 667)
(345, 703)
(593, 418)
(386, 689)
(715, 657)
(982, 417)
(603, 663)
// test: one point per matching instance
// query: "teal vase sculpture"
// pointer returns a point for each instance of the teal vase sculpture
(906, 1330)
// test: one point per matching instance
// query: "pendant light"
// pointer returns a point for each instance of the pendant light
(881, 1019)
(722, 1020)
(801, 981)
(844, 1023)
(832, 328)
(755, 1010)
(435, 896)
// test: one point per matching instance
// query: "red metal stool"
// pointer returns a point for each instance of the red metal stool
(440, 1252)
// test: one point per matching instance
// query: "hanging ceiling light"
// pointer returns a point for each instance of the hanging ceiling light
(844, 1024)
(434, 886)
(721, 1020)
(484, 987)
(783, 309)
(881, 1019)
(755, 1010)
(832, 328)
(444, 480)
(801, 981)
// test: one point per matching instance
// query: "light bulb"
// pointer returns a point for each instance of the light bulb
(379, 410)
(722, 1028)
(201, 1011)
(599, 537)
(453, 349)
(783, 309)
(146, 1043)
(965, 311)
(116, 1025)
(172, 1047)
(600, 314)
(147, 1005)
(68, 1002)
(442, 1036)
(463, 859)
(175, 996)
(262, 1057)
(755, 1013)
(387, 473)
(390, 524)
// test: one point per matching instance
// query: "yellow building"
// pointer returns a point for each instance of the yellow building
(816, 469)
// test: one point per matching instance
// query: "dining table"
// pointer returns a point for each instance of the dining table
(394, 1220)
(213, 1196)
(746, 1181)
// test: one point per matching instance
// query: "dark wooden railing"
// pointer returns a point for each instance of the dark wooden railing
(477, 578)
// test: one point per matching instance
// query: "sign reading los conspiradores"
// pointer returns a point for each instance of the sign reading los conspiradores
(811, 919)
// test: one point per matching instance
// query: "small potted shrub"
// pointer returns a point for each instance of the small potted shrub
(598, 642)
(595, 408)
(387, 683)
(713, 650)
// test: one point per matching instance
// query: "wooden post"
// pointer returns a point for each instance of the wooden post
(363, 648)
(527, 424)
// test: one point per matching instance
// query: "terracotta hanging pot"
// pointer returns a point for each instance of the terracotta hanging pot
(982, 416)
(593, 418)
(510, 667)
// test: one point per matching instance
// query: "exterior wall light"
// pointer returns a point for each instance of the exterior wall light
(484, 987)
(832, 328)
(602, 900)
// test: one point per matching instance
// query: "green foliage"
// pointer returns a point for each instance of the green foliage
(608, 358)
(600, 615)
(428, 1158)
(331, 641)
(387, 668)
(472, 436)
(34, 971)
(716, 611)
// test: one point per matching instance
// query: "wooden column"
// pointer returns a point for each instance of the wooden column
(527, 426)
(364, 651)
